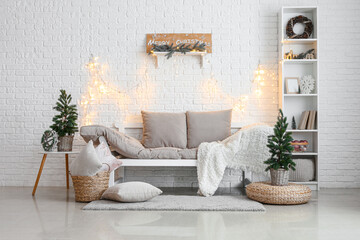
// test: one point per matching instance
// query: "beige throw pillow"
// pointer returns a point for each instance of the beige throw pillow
(131, 192)
(207, 127)
(164, 129)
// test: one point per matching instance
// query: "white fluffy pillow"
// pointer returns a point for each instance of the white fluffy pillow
(87, 163)
(131, 192)
(109, 162)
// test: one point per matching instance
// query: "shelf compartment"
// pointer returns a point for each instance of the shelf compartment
(309, 135)
(298, 47)
(294, 107)
(290, 12)
(299, 69)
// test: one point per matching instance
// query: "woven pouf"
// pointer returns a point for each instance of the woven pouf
(266, 193)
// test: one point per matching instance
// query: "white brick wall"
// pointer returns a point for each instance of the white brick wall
(44, 45)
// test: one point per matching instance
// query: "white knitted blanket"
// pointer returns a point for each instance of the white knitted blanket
(245, 150)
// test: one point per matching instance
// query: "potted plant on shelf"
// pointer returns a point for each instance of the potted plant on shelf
(64, 124)
(279, 145)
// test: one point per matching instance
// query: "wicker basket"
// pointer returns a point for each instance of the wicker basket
(279, 177)
(65, 143)
(90, 188)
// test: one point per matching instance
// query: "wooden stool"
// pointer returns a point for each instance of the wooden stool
(43, 163)
(266, 193)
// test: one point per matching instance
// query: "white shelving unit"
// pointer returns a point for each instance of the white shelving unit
(295, 104)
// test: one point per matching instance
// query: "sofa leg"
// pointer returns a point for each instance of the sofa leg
(246, 182)
(112, 179)
(246, 178)
(121, 174)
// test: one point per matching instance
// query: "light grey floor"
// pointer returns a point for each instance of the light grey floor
(53, 214)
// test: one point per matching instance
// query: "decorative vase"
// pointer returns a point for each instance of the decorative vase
(65, 143)
(279, 177)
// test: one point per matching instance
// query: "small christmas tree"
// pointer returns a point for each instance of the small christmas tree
(280, 147)
(65, 122)
(293, 123)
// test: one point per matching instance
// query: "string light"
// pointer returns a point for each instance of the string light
(259, 80)
(98, 89)
(241, 104)
(212, 90)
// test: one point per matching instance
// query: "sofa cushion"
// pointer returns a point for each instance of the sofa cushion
(207, 127)
(188, 153)
(168, 153)
(164, 129)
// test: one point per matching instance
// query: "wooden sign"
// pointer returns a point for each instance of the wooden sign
(178, 38)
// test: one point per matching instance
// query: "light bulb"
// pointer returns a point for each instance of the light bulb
(258, 91)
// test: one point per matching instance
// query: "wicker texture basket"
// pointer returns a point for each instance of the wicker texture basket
(65, 144)
(279, 177)
(90, 188)
(266, 193)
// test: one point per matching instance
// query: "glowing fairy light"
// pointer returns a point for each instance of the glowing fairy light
(97, 89)
(259, 80)
(241, 104)
(101, 92)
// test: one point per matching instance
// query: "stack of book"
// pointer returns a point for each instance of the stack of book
(308, 120)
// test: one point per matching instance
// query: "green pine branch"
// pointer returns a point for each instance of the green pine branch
(279, 145)
(182, 48)
(64, 123)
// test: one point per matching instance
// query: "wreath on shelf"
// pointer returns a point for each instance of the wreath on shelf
(309, 27)
(182, 48)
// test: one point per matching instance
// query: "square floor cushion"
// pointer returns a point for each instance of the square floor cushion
(207, 127)
(164, 129)
(131, 192)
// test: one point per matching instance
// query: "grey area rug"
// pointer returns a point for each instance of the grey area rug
(182, 203)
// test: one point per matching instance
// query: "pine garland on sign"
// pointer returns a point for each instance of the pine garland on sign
(182, 48)
(279, 145)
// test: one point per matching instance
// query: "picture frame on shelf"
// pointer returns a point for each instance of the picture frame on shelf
(292, 85)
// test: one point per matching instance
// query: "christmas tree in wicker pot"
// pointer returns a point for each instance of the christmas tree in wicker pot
(64, 123)
(281, 153)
